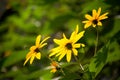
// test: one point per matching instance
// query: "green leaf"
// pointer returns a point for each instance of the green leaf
(98, 62)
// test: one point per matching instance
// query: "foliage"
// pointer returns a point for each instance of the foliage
(22, 20)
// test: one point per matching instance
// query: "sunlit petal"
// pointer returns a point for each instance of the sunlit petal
(99, 11)
(88, 17)
(75, 52)
(99, 23)
(38, 40)
(38, 55)
(44, 40)
(94, 13)
(32, 58)
(68, 55)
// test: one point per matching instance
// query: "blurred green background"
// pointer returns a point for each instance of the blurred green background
(22, 20)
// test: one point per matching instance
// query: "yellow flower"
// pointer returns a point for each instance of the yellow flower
(95, 19)
(67, 46)
(54, 66)
(35, 50)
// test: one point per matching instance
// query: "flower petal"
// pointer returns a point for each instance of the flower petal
(61, 56)
(42, 45)
(88, 17)
(33, 48)
(103, 16)
(94, 13)
(99, 23)
(26, 60)
(99, 11)
(75, 52)
(38, 40)
(32, 58)
(68, 55)
(78, 36)
(38, 55)
(44, 40)
(88, 24)
(54, 51)
(76, 45)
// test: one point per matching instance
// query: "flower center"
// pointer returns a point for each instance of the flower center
(37, 50)
(68, 46)
(95, 21)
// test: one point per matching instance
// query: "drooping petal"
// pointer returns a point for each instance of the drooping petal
(68, 55)
(38, 55)
(44, 40)
(88, 17)
(32, 58)
(75, 52)
(99, 23)
(38, 40)
(83, 45)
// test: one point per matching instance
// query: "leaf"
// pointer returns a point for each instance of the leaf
(98, 62)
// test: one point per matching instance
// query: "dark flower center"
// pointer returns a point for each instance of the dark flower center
(68, 46)
(95, 21)
(37, 50)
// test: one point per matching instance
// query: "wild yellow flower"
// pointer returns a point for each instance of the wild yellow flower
(95, 19)
(54, 66)
(67, 46)
(35, 50)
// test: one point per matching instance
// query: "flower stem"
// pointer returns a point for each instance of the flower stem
(96, 44)
(79, 63)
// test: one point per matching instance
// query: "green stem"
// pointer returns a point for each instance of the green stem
(96, 44)
(79, 63)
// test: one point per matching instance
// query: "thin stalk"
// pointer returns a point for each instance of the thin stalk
(79, 63)
(96, 44)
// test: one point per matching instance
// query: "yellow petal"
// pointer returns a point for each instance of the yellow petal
(26, 60)
(58, 41)
(99, 11)
(83, 45)
(75, 52)
(38, 55)
(54, 51)
(88, 17)
(103, 16)
(76, 45)
(86, 21)
(29, 54)
(61, 56)
(78, 36)
(32, 58)
(88, 24)
(53, 70)
(77, 28)
(94, 13)
(44, 40)
(42, 45)
(64, 36)
(33, 48)
(99, 23)
(68, 55)
(38, 40)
